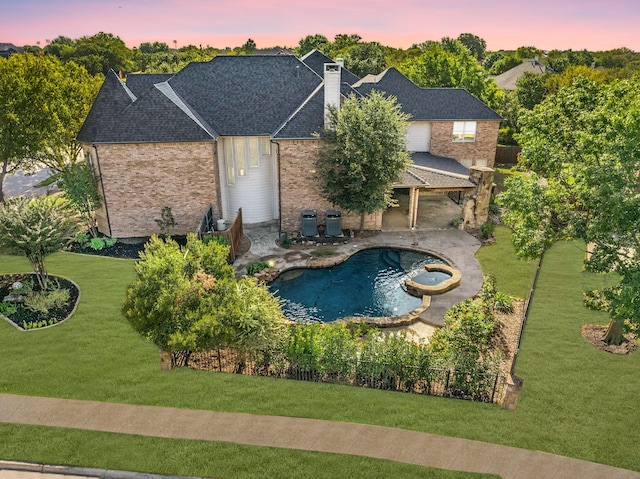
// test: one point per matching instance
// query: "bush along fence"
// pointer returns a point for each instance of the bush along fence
(399, 365)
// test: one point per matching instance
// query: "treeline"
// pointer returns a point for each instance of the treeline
(462, 62)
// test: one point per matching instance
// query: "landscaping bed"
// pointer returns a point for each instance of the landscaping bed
(26, 317)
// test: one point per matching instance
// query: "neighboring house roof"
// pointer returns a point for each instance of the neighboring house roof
(427, 103)
(8, 49)
(247, 95)
(507, 80)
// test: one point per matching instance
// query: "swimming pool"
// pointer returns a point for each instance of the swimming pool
(369, 283)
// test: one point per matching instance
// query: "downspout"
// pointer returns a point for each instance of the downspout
(104, 195)
(279, 187)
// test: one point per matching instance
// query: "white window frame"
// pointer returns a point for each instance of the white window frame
(464, 131)
(242, 153)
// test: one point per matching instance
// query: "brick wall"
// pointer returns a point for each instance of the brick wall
(140, 179)
(300, 188)
(483, 148)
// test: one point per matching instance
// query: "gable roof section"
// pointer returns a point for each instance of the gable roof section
(139, 83)
(315, 60)
(246, 95)
(276, 95)
(427, 103)
(102, 119)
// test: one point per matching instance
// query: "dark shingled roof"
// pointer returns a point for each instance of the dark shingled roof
(103, 117)
(316, 59)
(442, 163)
(139, 83)
(246, 95)
(276, 95)
(307, 121)
(427, 103)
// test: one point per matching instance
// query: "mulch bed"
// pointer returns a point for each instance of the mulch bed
(26, 315)
(593, 334)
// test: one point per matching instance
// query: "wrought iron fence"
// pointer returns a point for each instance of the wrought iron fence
(478, 385)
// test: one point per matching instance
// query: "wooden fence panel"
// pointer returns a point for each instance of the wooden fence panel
(507, 155)
(233, 235)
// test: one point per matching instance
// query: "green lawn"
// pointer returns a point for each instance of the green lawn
(198, 458)
(577, 401)
(513, 276)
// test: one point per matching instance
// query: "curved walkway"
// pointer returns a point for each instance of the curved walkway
(307, 434)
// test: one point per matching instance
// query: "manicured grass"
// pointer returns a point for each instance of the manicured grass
(577, 401)
(513, 276)
(197, 458)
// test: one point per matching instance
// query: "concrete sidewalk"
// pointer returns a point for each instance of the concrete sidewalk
(306, 434)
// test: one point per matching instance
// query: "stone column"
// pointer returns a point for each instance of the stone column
(475, 208)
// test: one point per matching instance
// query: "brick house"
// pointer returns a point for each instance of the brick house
(239, 132)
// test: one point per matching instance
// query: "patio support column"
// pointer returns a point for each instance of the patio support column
(414, 197)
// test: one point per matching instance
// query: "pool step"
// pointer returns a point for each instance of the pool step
(391, 258)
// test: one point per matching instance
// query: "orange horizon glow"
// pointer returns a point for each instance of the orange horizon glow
(573, 24)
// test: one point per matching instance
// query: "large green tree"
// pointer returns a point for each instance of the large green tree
(98, 53)
(366, 153)
(42, 106)
(476, 45)
(312, 42)
(580, 147)
(365, 58)
(450, 64)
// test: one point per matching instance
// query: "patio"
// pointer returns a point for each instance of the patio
(455, 246)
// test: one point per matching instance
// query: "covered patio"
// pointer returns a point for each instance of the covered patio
(429, 194)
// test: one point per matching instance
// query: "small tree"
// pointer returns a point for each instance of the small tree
(36, 228)
(80, 187)
(366, 153)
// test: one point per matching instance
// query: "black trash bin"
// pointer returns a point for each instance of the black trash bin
(309, 223)
(333, 224)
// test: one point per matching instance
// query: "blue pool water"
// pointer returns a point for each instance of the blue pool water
(369, 283)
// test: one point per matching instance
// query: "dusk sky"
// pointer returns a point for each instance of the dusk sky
(560, 24)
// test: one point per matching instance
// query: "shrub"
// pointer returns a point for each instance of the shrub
(487, 230)
(256, 267)
(503, 302)
(7, 309)
(166, 222)
(285, 241)
(221, 240)
(465, 335)
(187, 299)
(43, 301)
(83, 238)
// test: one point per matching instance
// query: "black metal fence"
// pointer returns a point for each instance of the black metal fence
(479, 385)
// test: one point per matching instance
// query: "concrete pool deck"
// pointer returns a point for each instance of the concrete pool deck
(455, 246)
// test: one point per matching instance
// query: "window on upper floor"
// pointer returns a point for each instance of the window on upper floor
(464, 131)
